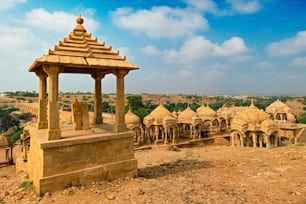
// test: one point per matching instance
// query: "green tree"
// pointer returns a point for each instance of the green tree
(135, 102)
(8, 121)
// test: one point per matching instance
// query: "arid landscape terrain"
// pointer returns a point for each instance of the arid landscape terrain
(209, 174)
(171, 174)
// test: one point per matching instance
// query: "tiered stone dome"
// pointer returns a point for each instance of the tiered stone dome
(277, 107)
(186, 116)
(81, 53)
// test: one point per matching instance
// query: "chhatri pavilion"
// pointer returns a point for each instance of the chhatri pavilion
(60, 156)
(79, 53)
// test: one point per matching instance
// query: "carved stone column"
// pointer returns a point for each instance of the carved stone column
(97, 119)
(54, 131)
(119, 125)
(42, 121)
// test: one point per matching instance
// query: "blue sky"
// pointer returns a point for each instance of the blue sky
(188, 46)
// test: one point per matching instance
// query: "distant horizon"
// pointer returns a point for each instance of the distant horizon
(169, 94)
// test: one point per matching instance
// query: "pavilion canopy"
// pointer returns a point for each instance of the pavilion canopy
(80, 53)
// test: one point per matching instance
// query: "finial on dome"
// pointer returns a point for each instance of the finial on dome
(252, 104)
(80, 20)
(79, 26)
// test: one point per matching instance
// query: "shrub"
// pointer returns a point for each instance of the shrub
(26, 185)
(16, 136)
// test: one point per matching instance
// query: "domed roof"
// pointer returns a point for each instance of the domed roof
(4, 141)
(291, 118)
(169, 120)
(252, 115)
(148, 120)
(186, 115)
(174, 114)
(239, 124)
(131, 118)
(268, 126)
(267, 123)
(159, 113)
(206, 112)
(277, 107)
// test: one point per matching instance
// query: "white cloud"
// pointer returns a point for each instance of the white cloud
(241, 58)
(265, 65)
(19, 43)
(57, 21)
(204, 5)
(5, 4)
(151, 50)
(299, 62)
(198, 47)
(161, 21)
(290, 46)
(208, 6)
(245, 6)
(19, 47)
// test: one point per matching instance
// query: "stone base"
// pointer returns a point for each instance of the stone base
(80, 159)
(21, 165)
(97, 120)
(54, 134)
(42, 125)
(119, 127)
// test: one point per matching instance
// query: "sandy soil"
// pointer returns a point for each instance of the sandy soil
(211, 174)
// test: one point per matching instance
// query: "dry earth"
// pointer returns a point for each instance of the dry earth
(211, 174)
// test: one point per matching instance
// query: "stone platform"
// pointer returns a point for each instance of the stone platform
(79, 157)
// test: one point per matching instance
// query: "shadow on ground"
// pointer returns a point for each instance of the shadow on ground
(178, 166)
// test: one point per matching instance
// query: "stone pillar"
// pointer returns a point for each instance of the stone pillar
(54, 131)
(42, 121)
(241, 140)
(119, 125)
(254, 138)
(233, 135)
(97, 119)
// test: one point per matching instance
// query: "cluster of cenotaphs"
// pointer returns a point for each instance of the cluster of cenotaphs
(247, 126)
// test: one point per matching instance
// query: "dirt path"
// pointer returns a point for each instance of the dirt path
(212, 174)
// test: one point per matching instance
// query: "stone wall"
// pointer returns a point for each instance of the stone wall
(54, 165)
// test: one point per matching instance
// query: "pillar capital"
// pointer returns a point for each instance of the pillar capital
(98, 76)
(120, 73)
(41, 74)
(52, 70)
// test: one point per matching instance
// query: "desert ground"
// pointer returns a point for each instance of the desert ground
(207, 174)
